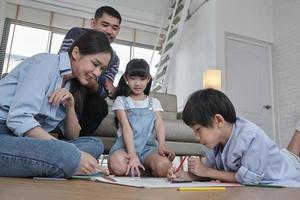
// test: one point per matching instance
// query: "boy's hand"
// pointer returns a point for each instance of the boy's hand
(195, 166)
(133, 165)
(172, 174)
(61, 96)
(163, 151)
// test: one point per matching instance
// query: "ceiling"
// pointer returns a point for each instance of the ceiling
(147, 12)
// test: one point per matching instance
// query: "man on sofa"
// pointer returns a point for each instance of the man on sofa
(94, 108)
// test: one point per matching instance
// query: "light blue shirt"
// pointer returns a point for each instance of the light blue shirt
(253, 156)
(25, 91)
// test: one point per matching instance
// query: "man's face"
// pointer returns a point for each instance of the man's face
(107, 24)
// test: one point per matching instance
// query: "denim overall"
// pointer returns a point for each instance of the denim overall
(142, 122)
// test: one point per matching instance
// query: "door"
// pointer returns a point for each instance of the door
(248, 81)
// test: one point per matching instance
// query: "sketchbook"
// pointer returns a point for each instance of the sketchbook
(151, 182)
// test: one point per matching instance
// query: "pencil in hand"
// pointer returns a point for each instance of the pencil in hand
(181, 164)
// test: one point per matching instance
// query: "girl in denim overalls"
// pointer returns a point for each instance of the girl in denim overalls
(139, 124)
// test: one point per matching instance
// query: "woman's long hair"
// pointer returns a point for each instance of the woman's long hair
(89, 43)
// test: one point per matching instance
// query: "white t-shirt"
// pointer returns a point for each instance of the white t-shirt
(119, 104)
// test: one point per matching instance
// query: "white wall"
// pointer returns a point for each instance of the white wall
(287, 52)
(250, 18)
(196, 53)
(202, 45)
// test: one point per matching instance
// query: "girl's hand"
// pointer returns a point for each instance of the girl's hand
(172, 174)
(163, 151)
(195, 166)
(133, 165)
(62, 96)
(88, 165)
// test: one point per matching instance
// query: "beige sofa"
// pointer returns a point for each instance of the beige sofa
(179, 137)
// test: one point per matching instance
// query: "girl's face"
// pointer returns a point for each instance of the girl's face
(137, 84)
(209, 136)
(88, 67)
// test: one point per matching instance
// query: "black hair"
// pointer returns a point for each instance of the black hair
(135, 67)
(91, 42)
(203, 105)
(108, 10)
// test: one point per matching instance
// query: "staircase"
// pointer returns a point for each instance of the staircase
(176, 19)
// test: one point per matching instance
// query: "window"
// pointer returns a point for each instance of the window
(146, 54)
(56, 42)
(25, 40)
(128, 52)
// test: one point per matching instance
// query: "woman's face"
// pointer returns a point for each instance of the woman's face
(88, 67)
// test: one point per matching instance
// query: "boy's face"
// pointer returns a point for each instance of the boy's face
(107, 24)
(209, 136)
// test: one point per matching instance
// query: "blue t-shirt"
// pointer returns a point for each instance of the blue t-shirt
(253, 156)
(25, 90)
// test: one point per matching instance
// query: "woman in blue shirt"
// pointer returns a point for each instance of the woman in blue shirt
(236, 149)
(35, 98)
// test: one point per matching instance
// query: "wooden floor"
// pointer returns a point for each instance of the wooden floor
(25, 189)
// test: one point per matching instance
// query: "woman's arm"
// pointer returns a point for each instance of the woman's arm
(71, 124)
(38, 132)
(72, 127)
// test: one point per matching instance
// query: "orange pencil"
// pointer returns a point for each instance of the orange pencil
(181, 163)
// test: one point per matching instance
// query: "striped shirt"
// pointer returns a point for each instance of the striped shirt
(113, 66)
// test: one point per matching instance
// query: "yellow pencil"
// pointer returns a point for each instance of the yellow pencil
(199, 188)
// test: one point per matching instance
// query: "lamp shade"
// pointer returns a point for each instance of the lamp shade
(212, 79)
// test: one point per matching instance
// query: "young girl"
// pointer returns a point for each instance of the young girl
(237, 149)
(138, 117)
(35, 98)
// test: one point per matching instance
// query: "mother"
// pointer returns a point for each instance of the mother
(35, 98)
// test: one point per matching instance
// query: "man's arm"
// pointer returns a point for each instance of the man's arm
(72, 35)
(105, 81)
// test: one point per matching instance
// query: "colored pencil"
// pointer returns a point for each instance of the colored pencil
(260, 185)
(200, 188)
(181, 163)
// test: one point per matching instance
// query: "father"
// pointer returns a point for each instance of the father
(93, 106)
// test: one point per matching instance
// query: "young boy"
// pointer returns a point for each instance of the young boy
(237, 149)
(294, 145)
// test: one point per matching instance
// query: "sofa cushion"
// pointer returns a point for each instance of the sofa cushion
(169, 104)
